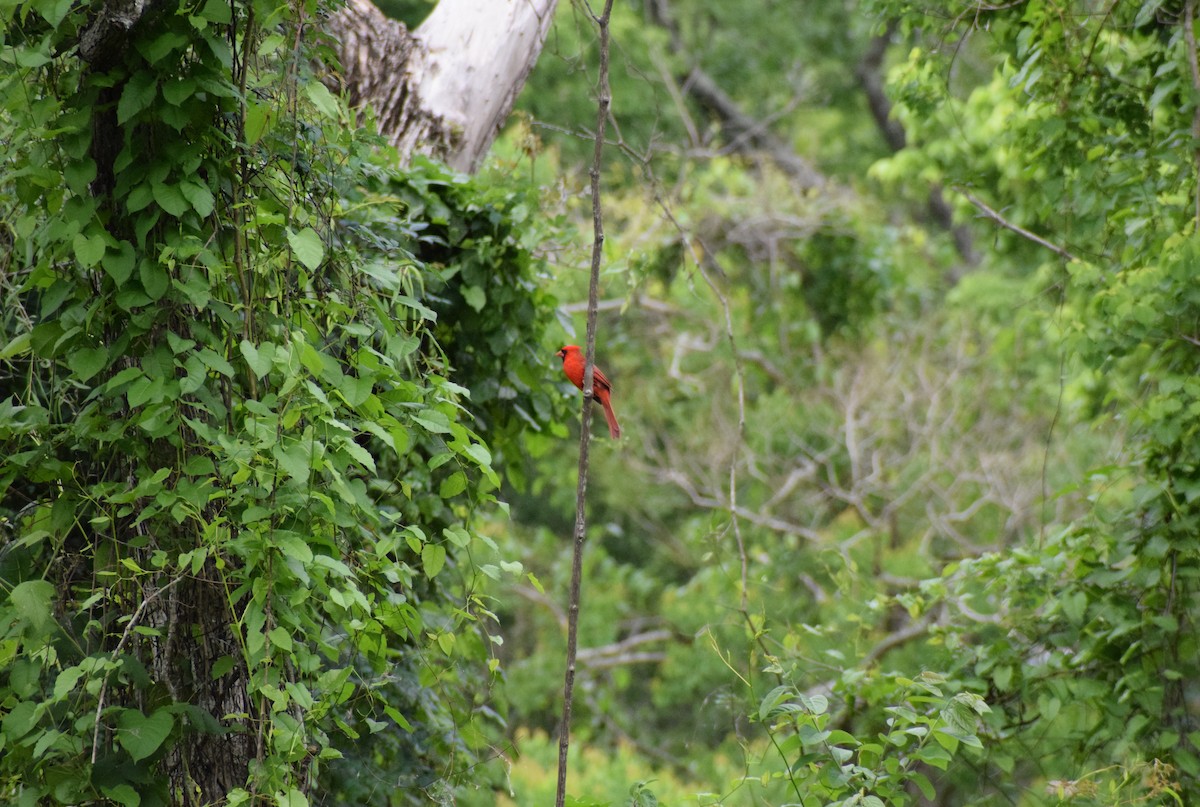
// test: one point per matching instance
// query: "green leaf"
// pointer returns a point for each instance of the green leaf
(355, 390)
(433, 558)
(88, 249)
(86, 362)
(118, 263)
(24, 677)
(215, 361)
(198, 196)
(66, 681)
(79, 174)
(293, 546)
(416, 305)
(923, 784)
(17, 346)
(291, 798)
(138, 94)
(122, 794)
(322, 99)
(946, 739)
(475, 297)
(155, 279)
(170, 198)
(457, 535)
(453, 485)
(162, 45)
(295, 461)
(217, 11)
(773, 700)
(54, 11)
(179, 90)
(143, 391)
(139, 197)
(433, 421)
(1074, 605)
(257, 118)
(935, 755)
(123, 377)
(33, 599)
(142, 735)
(20, 720)
(307, 247)
(260, 358)
(401, 720)
(358, 453)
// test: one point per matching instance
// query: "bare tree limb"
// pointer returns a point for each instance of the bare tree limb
(995, 216)
(445, 88)
(533, 595)
(638, 301)
(622, 652)
(870, 77)
(741, 130)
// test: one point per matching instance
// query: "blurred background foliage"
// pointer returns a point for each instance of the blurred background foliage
(947, 443)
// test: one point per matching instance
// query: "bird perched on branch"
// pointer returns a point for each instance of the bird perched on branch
(573, 361)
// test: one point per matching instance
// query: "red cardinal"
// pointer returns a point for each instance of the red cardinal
(573, 362)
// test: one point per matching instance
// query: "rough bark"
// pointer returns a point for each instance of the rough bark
(101, 42)
(212, 757)
(445, 88)
(101, 39)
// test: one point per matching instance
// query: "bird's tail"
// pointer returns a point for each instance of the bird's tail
(614, 428)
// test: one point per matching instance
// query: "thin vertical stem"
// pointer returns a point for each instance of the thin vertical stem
(603, 101)
(1189, 36)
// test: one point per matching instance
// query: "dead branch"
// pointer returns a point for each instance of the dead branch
(995, 216)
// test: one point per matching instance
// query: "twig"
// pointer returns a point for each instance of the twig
(992, 214)
(741, 130)
(533, 595)
(1189, 36)
(603, 102)
(133, 622)
(638, 302)
(619, 653)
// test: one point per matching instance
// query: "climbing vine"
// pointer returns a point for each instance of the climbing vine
(242, 444)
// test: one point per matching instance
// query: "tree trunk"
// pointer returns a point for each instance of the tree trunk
(212, 758)
(446, 88)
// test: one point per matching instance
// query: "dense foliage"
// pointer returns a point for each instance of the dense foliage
(869, 441)
(246, 370)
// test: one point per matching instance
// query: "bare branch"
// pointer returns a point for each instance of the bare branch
(870, 78)
(741, 128)
(625, 645)
(742, 131)
(638, 301)
(1189, 35)
(445, 88)
(603, 102)
(134, 621)
(995, 216)
(533, 595)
